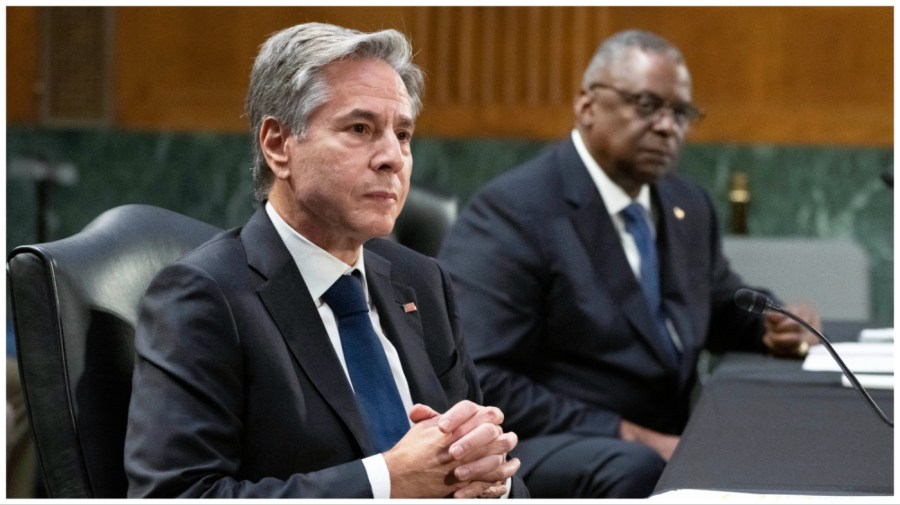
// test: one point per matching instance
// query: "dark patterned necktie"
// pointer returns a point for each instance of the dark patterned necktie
(636, 224)
(376, 391)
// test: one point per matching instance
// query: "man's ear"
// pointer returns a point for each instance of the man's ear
(273, 142)
(581, 106)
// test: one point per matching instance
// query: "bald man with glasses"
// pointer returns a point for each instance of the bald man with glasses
(590, 278)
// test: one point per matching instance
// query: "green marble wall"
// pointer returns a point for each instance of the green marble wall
(797, 191)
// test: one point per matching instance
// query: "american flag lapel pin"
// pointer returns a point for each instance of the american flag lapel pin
(409, 307)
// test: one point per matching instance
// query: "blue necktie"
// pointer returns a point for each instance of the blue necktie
(636, 224)
(376, 391)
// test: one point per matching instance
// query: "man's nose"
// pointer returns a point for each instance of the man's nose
(666, 120)
(389, 153)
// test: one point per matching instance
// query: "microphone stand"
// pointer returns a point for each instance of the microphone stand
(840, 362)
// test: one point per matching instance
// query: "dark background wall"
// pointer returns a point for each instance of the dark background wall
(145, 104)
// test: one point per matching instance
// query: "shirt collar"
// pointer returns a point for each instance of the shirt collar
(319, 268)
(614, 197)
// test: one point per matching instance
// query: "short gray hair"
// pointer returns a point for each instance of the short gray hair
(287, 83)
(614, 48)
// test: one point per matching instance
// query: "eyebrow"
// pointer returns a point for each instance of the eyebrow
(404, 122)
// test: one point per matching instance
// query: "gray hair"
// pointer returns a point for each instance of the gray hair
(613, 49)
(287, 82)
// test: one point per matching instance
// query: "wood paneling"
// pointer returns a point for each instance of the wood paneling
(75, 61)
(514, 77)
(785, 75)
(188, 68)
(22, 65)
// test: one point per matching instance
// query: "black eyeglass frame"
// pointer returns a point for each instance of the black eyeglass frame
(648, 104)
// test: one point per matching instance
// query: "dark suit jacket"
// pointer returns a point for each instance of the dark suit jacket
(561, 334)
(237, 388)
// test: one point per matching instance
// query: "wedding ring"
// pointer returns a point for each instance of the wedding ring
(803, 349)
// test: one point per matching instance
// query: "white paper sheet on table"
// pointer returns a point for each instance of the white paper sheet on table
(860, 357)
(873, 335)
(870, 381)
(693, 496)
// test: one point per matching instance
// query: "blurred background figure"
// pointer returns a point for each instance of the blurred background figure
(591, 278)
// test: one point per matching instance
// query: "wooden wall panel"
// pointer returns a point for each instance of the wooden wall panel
(188, 68)
(784, 75)
(516, 78)
(76, 66)
(21, 65)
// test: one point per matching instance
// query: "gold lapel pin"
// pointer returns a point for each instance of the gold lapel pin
(679, 213)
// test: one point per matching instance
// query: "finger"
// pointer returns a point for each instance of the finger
(782, 345)
(421, 412)
(457, 415)
(810, 316)
(502, 444)
(481, 490)
(501, 473)
(779, 323)
(480, 465)
(484, 415)
(496, 491)
(474, 441)
(788, 334)
(479, 468)
(784, 339)
(785, 325)
(788, 346)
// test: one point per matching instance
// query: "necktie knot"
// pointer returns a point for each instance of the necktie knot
(346, 297)
(634, 216)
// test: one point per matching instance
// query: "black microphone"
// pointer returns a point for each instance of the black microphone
(757, 303)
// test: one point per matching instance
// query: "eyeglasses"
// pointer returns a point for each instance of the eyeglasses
(650, 105)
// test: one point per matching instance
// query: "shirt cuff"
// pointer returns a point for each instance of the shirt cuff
(379, 477)
(508, 489)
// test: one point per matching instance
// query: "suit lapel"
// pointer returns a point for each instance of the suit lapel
(287, 300)
(673, 259)
(403, 327)
(601, 239)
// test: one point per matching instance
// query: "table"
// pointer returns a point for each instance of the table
(763, 425)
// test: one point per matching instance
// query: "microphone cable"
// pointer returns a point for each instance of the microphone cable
(756, 303)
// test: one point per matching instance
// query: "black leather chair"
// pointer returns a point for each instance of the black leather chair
(426, 218)
(75, 304)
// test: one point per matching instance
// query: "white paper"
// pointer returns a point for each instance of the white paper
(873, 335)
(871, 381)
(860, 357)
(709, 496)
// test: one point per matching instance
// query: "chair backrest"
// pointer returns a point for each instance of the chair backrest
(75, 304)
(831, 273)
(426, 218)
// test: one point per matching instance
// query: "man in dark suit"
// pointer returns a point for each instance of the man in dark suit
(297, 356)
(586, 324)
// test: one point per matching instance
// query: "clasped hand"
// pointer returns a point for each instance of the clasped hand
(461, 453)
(787, 338)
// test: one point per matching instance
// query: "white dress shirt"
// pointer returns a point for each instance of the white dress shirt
(320, 270)
(616, 199)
